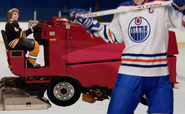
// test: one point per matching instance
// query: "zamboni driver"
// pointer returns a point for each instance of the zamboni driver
(17, 38)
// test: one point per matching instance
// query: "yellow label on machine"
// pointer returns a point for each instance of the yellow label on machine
(52, 39)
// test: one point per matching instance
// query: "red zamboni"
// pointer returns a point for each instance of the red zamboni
(75, 62)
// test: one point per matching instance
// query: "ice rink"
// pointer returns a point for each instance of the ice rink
(100, 107)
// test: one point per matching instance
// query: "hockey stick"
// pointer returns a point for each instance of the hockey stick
(126, 9)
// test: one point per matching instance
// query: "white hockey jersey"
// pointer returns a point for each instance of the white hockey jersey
(145, 34)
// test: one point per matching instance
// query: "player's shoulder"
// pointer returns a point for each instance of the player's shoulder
(127, 3)
(12, 23)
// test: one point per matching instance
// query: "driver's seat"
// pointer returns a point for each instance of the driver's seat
(5, 39)
(14, 57)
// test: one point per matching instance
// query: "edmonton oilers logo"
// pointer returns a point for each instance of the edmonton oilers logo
(139, 29)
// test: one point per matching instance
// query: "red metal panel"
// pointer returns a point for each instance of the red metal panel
(172, 68)
(16, 63)
(101, 74)
(172, 44)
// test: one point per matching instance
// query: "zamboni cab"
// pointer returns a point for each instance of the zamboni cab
(75, 62)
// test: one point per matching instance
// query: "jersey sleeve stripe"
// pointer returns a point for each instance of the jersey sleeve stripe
(110, 35)
(105, 34)
(11, 43)
(14, 43)
(115, 38)
(21, 34)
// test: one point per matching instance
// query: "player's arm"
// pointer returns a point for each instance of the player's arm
(176, 14)
(93, 26)
(112, 33)
(25, 33)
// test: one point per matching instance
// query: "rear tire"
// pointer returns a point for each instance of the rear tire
(64, 91)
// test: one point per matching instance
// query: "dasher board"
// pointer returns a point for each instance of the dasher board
(18, 100)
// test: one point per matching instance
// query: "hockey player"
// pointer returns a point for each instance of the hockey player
(17, 38)
(144, 59)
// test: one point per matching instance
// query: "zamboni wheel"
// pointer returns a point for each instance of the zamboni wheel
(64, 91)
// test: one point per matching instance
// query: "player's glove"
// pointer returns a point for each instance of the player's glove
(179, 5)
(91, 24)
(34, 28)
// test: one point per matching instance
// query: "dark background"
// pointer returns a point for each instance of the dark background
(48, 8)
